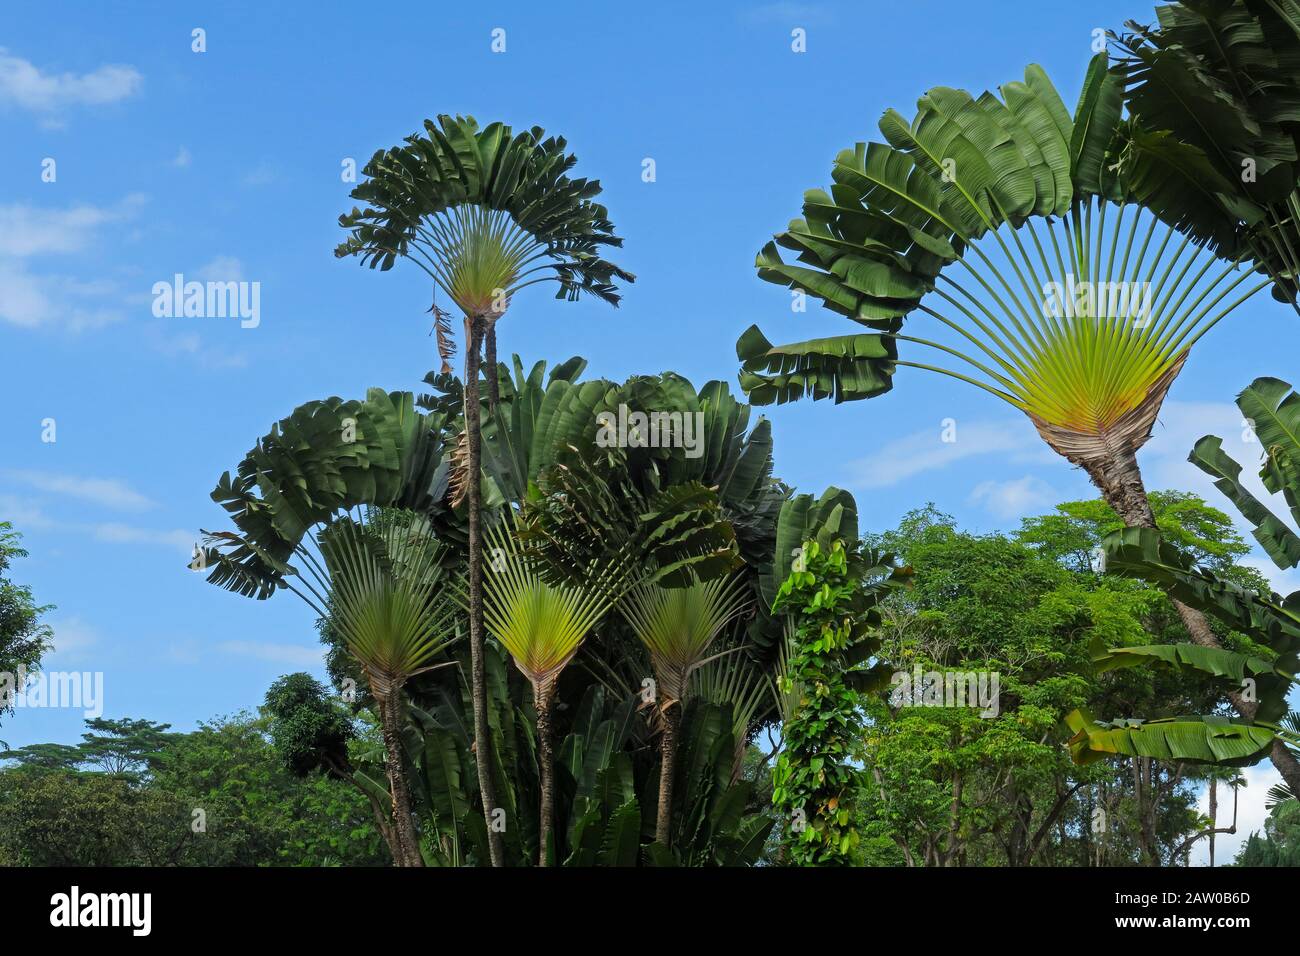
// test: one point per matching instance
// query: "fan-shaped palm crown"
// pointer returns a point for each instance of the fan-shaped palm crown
(485, 213)
(392, 602)
(1004, 221)
(541, 624)
(677, 625)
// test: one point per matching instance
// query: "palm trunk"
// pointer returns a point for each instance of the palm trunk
(383, 820)
(672, 717)
(543, 692)
(1121, 485)
(478, 680)
(408, 841)
(1214, 814)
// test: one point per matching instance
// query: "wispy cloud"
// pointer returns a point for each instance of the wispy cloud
(27, 86)
(34, 299)
(191, 345)
(1016, 498)
(182, 158)
(23, 513)
(222, 269)
(117, 533)
(28, 513)
(1014, 440)
(263, 174)
(295, 655)
(108, 492)
(73, 637)
(27, 230)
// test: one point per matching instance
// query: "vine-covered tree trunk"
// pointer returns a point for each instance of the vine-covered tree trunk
(1214, 814)
(1121, 485)
(672, 717)
(408, 840)
(478, 680)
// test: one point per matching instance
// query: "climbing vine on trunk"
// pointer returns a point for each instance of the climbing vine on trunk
(832, 594)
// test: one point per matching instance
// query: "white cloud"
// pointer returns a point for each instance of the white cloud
(1013, 439)
(182, 158)
(192, 345)
(1014, 499)
(27, 230)
(24, 299)
(295, 655)
(27, 86)
(222, 269)
(263, 174)
(30, 299)
(27, 514)
(72, 638)
(23, 513)
(108, 492)
(117, 533)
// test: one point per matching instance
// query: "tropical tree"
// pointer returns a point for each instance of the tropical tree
(649, 513)
(74, 811)
(678, 626)
(1213, 146)
(1280, 843)
(311, 732)
(542, 625)
(484, 213)
(1084, 330)
(1261, 673)
(23, 638)
(833, 596)
(391, 606)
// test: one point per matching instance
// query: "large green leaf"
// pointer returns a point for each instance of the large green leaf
(1278, 540)
(1269, 620)
(1215, 661)
(325, 458)
(846, 367)
(1209, 740)
(1212, 92)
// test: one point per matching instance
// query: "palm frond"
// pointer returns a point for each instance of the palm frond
(392, 599)
(485, 213)
(678, 625)
(540, 623)
(1004, 224)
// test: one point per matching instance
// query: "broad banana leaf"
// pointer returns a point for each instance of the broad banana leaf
(1210, 740)
(1272, 410)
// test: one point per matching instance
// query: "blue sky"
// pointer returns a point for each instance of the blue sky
(226, 164)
